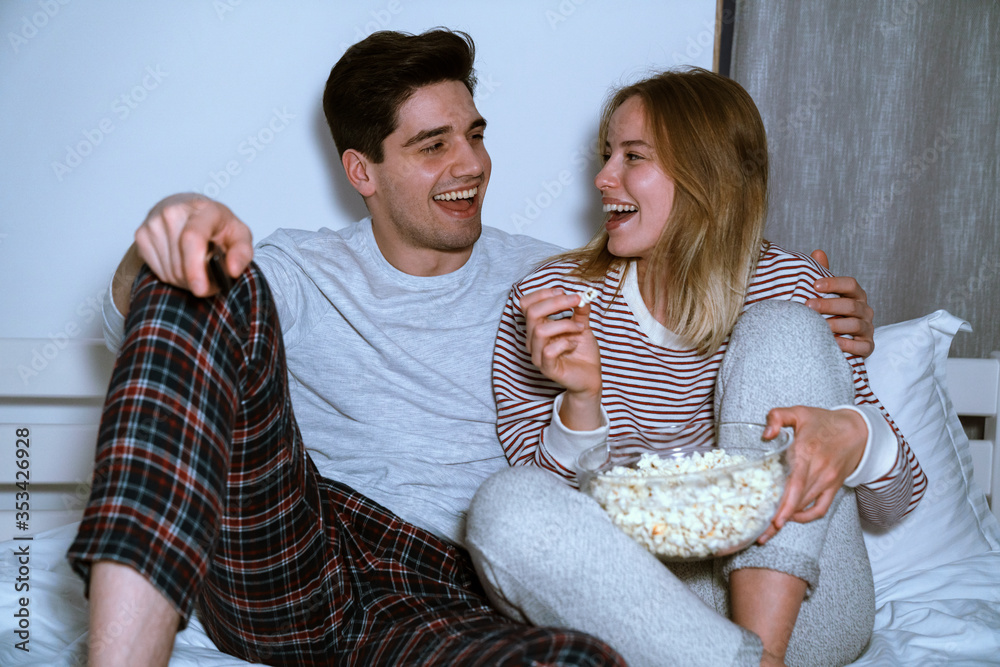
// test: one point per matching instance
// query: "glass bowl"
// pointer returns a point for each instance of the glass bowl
(689, 493)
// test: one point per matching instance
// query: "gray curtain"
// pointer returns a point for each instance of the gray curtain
(883, 121)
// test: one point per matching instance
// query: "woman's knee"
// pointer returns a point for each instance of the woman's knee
(509, 501)
(787, 330)
(777, 315)
(781, 353)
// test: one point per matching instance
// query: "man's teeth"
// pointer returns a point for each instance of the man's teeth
(620, 208)
(458, 194)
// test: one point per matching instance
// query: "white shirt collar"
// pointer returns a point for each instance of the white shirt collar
(648, 324)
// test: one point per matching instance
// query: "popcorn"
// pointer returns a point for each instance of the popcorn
(677, 517)
(586, 297)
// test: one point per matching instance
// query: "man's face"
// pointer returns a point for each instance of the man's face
(429, 188)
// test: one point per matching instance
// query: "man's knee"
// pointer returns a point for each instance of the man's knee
(245, 307)
(247, 284)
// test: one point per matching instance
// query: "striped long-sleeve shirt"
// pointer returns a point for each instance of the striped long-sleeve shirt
(649, 385)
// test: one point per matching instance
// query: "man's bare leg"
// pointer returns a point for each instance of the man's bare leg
(131, 622)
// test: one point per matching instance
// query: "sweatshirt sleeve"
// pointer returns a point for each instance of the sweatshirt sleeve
(114, 322)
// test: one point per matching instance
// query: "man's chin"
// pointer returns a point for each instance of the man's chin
(464, 238)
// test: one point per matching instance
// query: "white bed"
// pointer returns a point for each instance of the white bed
(937, 574)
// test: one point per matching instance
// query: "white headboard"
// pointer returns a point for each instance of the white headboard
(52, 390)
(974, 388)
(51, 395)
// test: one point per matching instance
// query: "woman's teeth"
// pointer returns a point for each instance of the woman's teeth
(620, 208)
(459, 194)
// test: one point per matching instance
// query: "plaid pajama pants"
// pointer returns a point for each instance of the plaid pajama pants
(202, 484)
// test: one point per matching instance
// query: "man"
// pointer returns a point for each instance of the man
(204, 495)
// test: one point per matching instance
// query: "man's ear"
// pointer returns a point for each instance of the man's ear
(359, 172)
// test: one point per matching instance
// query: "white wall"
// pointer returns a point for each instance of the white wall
(106, 107)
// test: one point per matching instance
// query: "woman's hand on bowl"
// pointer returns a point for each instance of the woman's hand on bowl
(828, 447)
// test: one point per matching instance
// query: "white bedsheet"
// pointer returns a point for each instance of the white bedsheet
(946, 616)
(58, 611)
(949, 615)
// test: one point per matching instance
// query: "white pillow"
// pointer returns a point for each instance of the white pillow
(952, 521)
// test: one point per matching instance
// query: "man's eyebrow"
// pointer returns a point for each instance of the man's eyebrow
(479, 123)
(427, 134)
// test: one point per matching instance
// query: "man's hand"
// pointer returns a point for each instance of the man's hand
(827, 448)
(852, 307)
(174, 238)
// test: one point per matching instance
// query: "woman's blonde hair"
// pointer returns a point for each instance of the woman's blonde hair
(710, 140)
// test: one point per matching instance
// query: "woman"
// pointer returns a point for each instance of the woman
(680, 261)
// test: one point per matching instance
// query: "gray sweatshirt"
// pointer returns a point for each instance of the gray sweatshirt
(390, 373)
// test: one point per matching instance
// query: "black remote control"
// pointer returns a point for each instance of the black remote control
(216, 268)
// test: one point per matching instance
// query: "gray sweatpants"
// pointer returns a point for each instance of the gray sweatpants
(549, 555)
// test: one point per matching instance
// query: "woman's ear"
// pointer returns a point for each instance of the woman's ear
(359, 172)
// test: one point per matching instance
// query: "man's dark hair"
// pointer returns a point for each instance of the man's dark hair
(376, 76)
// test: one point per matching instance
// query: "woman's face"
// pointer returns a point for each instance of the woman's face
(636, 192)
